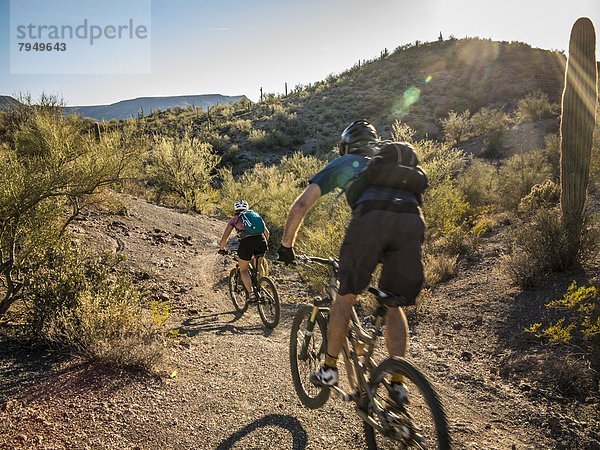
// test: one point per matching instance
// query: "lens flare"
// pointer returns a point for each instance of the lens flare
(402, 106)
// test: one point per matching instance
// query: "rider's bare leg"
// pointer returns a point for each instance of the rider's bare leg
(245, 275)
(339, 318)
(396, 332)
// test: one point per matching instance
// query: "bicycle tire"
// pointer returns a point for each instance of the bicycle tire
(311, 396)
(237, 291)
(269, 308)
(430, 399)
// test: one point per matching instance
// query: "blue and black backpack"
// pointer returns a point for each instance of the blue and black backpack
(254, 224)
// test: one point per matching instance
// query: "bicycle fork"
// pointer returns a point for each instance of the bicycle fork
(310, 326)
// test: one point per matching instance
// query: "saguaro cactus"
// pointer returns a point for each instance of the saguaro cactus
(576, 129)
(97, 133)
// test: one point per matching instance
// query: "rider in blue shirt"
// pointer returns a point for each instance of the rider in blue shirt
(386, 227)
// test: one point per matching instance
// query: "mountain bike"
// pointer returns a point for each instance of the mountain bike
(267, 301)
(388, 422)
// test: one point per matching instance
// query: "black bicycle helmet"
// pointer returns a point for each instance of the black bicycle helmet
(358, 134)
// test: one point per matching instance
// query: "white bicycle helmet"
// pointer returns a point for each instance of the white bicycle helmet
(240, 205)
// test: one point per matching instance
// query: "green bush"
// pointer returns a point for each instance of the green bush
(479, 183)
(51, 166)
(581, 306)
(519, 174)
(185, 167)
(490, 123)
(538, 248)
(544, 195)
(81, 302)
(536, 106)
(584, 301)
(457, 127)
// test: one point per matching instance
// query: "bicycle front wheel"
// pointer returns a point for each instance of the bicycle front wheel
(308, 345)
(419, 422)
(237, 291)
(268, 302)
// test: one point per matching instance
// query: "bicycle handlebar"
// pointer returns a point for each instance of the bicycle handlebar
(333, 262)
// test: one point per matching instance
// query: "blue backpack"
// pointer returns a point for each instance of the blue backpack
(253, 222)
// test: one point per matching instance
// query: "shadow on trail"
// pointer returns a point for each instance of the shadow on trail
(286, 422)
(23, 365)
(29, 374)
(214, 323)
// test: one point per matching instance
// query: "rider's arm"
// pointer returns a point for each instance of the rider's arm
(297, 212)
(225, 236)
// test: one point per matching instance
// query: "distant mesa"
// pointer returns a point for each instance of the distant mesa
(127, 109)
(7, 102)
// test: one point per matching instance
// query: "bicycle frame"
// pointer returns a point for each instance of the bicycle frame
(358, 363)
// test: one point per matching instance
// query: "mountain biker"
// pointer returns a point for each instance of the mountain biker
(386, 226)
(251, 245)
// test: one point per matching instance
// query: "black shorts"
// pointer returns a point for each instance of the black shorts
(252, 246)
(391, 238)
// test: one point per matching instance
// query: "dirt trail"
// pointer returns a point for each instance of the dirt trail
(226, 381)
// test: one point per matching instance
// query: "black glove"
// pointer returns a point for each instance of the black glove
(286, 254)
(222, 251)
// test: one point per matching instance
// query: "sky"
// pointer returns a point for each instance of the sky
(235, 47)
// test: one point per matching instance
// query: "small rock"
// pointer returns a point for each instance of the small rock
(488, 426)
(466, 356)
(457, 326)
(504, 371)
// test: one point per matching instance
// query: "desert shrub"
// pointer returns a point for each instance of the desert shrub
(240, 127)
(544, 195)
(50, 169)
(256, 136)
(519, 174)
(402, 132)
(538, 248)
(439, 161)
(448, 216)
(490, 123)
(584, 302)
(457, 127)
(185, 167)
(479, 182)
(535, 106)
(82, 303)
(552, 154)
(439, 268)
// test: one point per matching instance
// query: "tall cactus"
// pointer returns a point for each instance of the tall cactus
(97, 133)
(576, 129)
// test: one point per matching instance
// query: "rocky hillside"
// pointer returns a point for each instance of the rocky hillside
(418, 84)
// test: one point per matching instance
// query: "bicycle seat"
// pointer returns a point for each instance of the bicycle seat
(320, 301)
(388, 299)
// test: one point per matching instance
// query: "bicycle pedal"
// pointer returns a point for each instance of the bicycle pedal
(344, 396)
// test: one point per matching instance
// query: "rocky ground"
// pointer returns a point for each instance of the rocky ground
(225, 381)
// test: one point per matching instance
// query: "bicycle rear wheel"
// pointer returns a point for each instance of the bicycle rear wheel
(237, 291)
(268, 302)
(419, 423)
(307, 351)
